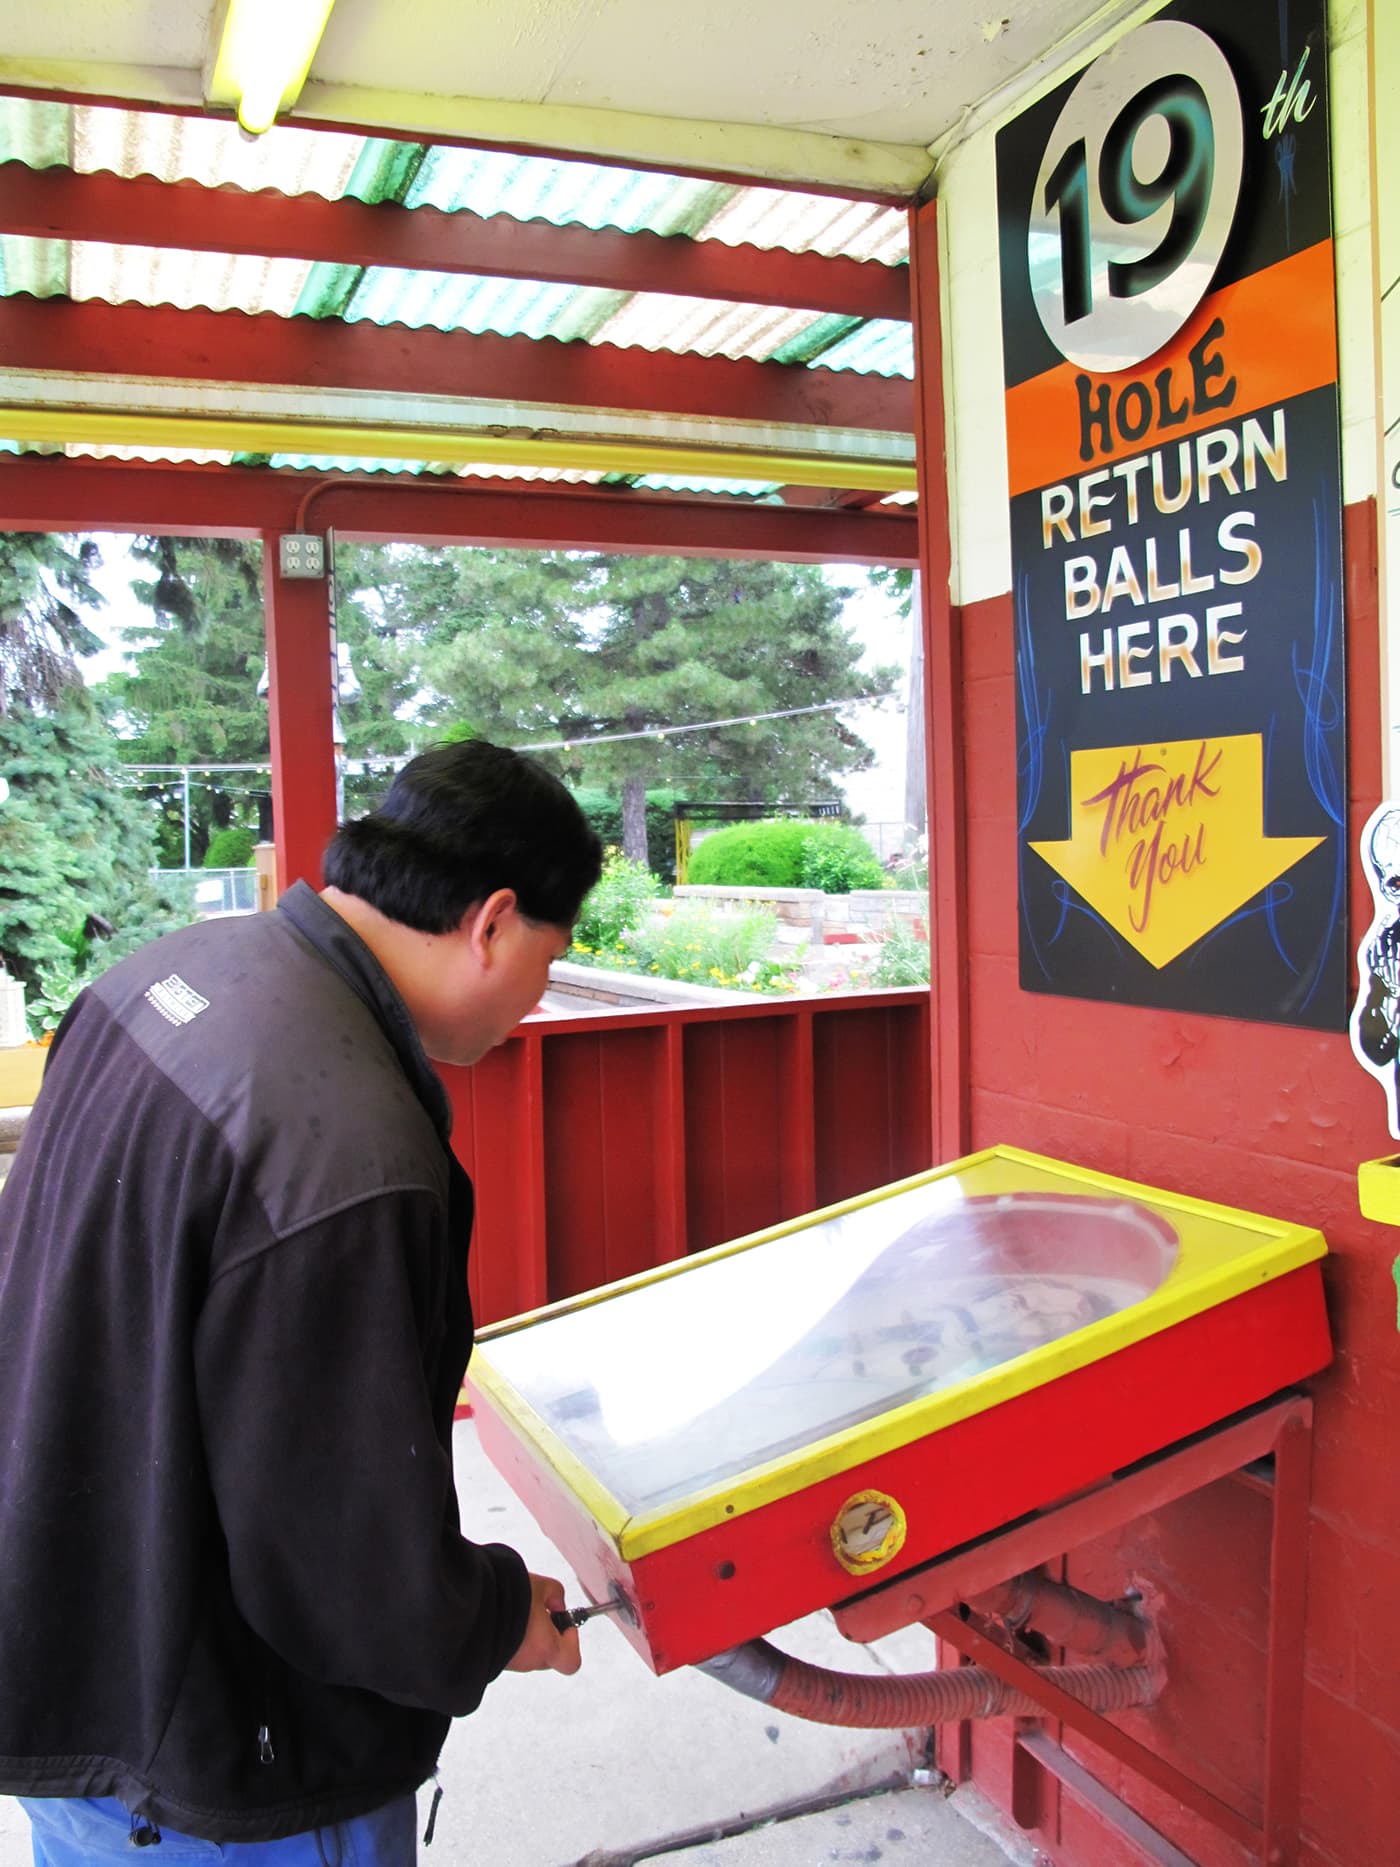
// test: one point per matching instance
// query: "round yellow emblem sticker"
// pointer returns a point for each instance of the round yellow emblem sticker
(868, 1532)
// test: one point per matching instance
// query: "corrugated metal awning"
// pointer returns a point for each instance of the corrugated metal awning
(91, 140)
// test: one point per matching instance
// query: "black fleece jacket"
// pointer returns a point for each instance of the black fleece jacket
(233, 1325)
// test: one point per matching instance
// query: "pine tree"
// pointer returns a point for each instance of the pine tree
(191, 696)
(533, 646)
(686, 641)
(75, 850)
(382, 620)
(44, 581)
(74, 847)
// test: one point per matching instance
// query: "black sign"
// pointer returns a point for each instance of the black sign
(1169, 325)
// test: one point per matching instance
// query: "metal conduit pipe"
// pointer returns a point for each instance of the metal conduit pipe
(883, 1702)
(1067, 1617)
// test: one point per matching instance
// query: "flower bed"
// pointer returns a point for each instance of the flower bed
(750, 938)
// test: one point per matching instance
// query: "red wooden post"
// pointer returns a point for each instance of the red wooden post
(947, 869)
(1288, 1595)
(299, 704)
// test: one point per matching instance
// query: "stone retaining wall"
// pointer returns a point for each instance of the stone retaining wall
(876, 908)
(599, 986)
(798, 907)
(864, 910)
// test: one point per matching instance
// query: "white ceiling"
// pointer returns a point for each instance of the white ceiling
(843, 92)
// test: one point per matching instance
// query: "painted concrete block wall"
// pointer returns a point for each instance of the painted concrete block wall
(1259, 1116)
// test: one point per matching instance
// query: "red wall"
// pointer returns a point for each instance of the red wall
(1266, 1118)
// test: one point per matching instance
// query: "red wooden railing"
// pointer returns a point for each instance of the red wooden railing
(605, 1144)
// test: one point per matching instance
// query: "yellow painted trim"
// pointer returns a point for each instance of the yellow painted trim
(449, 446)
(136, 84)
(1195, 1284)
(767, 152)
(535, 1432)
(762, 152)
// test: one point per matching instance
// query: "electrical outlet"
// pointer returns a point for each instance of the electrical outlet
(301, 554)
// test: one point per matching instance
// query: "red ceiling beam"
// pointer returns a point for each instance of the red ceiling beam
(58, 204)
(53, 494)
(60, 335)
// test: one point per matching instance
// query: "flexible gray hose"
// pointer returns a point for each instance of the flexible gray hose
(884, 1702)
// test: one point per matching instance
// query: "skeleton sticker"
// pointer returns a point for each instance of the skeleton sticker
(1375, 1019)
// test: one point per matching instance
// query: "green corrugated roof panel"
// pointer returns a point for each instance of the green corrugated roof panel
(584, 194)
(38, 134)
(529, 188)
(487, 182)
(39, 267)
(879, 347)
(385, 171)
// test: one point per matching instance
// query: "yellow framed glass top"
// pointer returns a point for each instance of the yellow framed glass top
(747, 1372)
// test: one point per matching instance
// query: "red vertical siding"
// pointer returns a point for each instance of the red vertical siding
(1262, 1117)
(734, 1098)
(497, 1108)
(612, 1174)
(872, 1101)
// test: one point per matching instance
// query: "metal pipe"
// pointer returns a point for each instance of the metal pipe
(1067, 1617)
(883, 1702)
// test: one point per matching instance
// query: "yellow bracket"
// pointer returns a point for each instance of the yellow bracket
(1378, 1188)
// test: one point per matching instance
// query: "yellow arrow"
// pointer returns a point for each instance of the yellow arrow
(1166, 841)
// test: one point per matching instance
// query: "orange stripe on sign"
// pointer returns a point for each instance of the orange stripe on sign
(1279, 340)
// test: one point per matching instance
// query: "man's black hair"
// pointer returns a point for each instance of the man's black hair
(459, 822)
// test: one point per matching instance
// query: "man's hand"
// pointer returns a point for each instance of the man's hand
(544, 1648)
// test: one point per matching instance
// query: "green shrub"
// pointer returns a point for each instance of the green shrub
(230, 849)
(836, 858)
(707, 946)
(619, 902)
(604, 811)
(751, 855)
(787, 852)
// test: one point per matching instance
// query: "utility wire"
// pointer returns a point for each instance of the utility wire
(668, 732)
(582, 739)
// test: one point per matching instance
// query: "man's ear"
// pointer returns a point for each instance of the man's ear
(483, 924)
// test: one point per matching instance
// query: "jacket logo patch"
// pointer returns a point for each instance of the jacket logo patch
(176, 1002)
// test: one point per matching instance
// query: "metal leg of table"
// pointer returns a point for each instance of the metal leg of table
(1275, 1841)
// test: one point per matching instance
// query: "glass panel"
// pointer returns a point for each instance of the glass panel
(681, 1384)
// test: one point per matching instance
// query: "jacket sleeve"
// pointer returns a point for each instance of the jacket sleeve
(335, 1496)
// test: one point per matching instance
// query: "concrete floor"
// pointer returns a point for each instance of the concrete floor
(615, 1767)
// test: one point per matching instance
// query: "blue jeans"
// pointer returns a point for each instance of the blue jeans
(69, 1832)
